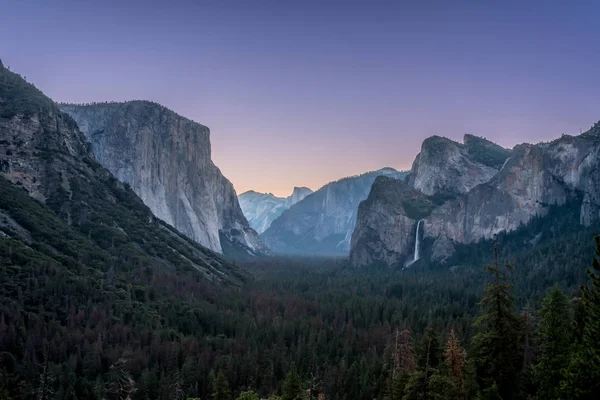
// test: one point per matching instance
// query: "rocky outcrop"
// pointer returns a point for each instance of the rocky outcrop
(261, 209)
(298, 194)
(44, 152)
(446, 167)
(323, 222)
(166, 159)
(530, 180)
(383, 222)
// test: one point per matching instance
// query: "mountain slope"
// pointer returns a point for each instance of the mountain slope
(45, 153)
(261, 209)
(323, 222)
(529, 181)
(166, 159)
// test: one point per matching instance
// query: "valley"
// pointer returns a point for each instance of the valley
(130, 269)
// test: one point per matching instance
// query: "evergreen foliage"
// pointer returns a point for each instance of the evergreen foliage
(248, 395)
(498, 347)
(555, 343)
(292, 386)
(220, 388)
(583, 373)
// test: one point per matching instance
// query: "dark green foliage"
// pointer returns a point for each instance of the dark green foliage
(20, 98)
(417, 209)
(443, 387)
(555, 343)
(249, 395)
(486, 152)
(292, 386)
(331, 320)
(498, 346)
(583, 373)
(429, 350)
(395, 387)
(220, 388)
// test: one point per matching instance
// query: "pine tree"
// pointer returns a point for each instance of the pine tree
(455, 359)
(120, 384)
(220, 388)
(444, 387)
(429, 350)
(292, 386)
(404, 364)
(498, 348)
(429, 356)
(416, 386)
(249, 395)
(554, 338)
(583, 373)
(45, 390)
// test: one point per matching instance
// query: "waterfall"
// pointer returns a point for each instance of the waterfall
(417, 252)
(417, 247)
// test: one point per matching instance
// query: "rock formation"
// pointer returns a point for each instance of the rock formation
(166, 159)
(323, 222)
(261, 209)
(43, 152)
(477, 195)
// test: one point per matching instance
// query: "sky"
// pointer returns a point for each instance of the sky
(300, 93)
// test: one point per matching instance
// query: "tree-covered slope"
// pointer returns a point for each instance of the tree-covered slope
(44, 152)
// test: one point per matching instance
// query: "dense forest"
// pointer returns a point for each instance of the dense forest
(306, 328)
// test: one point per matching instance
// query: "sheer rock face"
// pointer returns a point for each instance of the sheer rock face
(386, 223)
(166, 159)
(446, 167)
(476, 195)
(43, 151)
(323, 222)
(261, 209)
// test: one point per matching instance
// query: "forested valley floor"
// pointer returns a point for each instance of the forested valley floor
(311, 328)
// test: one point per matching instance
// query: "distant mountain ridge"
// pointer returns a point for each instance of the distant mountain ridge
(166, 159)
(467, 192)
(323, 222)
(261, 209)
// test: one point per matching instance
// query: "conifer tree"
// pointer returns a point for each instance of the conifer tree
(455, 359)
(220, 388)
(429, 350)
(248, 395)
(583, 373)
(120, 384)
(554, 338)
(292, 386)
(429, 356)
(404, 364)
(498, 348)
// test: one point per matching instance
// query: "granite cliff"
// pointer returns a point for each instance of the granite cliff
(322, 223)
(446, 167)
(58, 201)
(166, 159)
(261, 209)
(470, 195)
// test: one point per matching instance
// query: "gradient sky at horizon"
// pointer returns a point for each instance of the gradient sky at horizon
(300, 93)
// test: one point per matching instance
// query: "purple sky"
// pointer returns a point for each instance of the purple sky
(299, 93)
